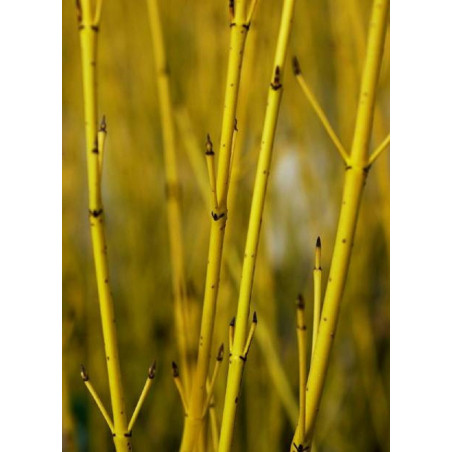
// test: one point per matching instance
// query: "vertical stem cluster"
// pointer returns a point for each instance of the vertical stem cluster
(239, 31)
(172, 188)
(239, 349)
(89, 27)
(355, 177)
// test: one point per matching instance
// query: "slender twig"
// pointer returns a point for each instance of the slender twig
(213, 424)
(98, 12)
(231, 334)
(317, 277)
(251, 11)
(250, 337)
(92, 391)
(236, 362)
(101, 137)
(211, 384)
(238, 34)
(210, 160)
(355, 177)
(179, 386)
(375, 154)
(144, 393)
(318, 110)
(263, 337)
(88, 31)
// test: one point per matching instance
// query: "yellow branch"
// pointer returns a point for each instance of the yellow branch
(144, 393)
(271, 356)
(355, 176)
(98, 12)
(210, 160)
(317, 276)
(101, 137)
(213, 425)
(88, 42)
(236, 361)
(246, 349)
(238, 34)
(179, 386)
(218, 362)
(318, 110)
(100, 405)
(384, 144)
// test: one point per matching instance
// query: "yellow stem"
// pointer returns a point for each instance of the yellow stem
(144, 393)
(246, 349)
(267, 345)
(319, 111)
(172, 188)
(298, 439)
(231, 334)
(96, 398)
(194, 419)
(317, 276)
(384, 144)
(355, 177)
(210, 160)
(101, 137)
(179, 386)
(211, 384)
(251, 11)
(213, 424)
(236, 361)
(98, 12)
(234, 139)
(88, 41)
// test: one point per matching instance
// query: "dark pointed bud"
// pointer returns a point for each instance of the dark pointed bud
(151, 372)
(220, 353)
(175, 369)
(277, 75)
(232, 322)
(209, 146)
(103, 125)
(254, 317)
(296, 66)
(231, 9)
(79, 10)
(318, 243)
(300, 301)
(84, 373)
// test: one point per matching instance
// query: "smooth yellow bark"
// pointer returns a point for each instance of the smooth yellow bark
(238, 356)
(88, 40)
(195, 418)
(355, 177)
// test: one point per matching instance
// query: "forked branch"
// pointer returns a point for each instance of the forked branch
(318, 110)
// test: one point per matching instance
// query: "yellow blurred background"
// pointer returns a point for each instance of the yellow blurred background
(329, 37)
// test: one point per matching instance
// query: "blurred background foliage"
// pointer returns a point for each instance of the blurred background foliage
(329, 37)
